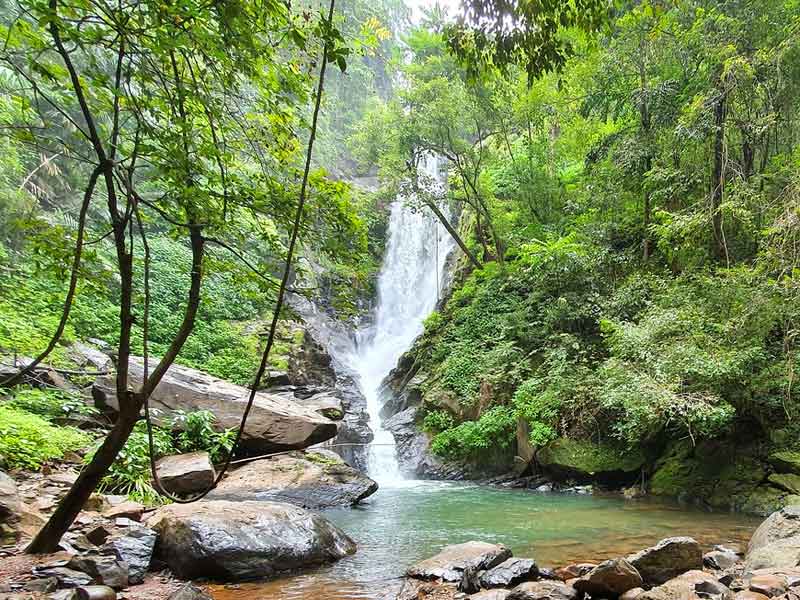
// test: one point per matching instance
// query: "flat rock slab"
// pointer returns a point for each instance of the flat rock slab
(314, 479)
(184, 474)
(275, 424)
(667, 559)
(233, 541)
(451, 563)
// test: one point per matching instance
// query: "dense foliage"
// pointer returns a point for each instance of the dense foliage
(631, 219)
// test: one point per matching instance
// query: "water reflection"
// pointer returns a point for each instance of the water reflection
(401, 525)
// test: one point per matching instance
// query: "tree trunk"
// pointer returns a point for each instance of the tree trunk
(453, 233)
(718, 177)
(49, 536)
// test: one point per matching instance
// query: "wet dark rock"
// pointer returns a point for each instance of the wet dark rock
(135, 548)
(244, 540)
(98, 535)
(451, 563)
(543, 590)
(413, 450)
(103, 569)
(510, 572)
(609, 579)
(667, 559)
(186, 474)
(314, 479)
(275, 424)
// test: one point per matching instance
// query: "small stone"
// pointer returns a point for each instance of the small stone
(190, 591)
(97, 503)
(573, 571)
(719, 560)
(98, 535)
(66, 577)
(63, 478)
(97, 592)
(543, 590)
(44, 585)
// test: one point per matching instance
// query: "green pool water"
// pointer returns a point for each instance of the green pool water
(402, 524)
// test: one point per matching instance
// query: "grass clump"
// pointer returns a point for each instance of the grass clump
(27, 441)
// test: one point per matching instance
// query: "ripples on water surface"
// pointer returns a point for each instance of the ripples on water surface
(402, 524)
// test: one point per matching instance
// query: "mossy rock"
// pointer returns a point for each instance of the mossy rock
(786, 461)
(718, 474)
(786, 481)
(588, 460)
(765, 500)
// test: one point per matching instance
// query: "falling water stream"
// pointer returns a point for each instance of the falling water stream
(406, 520)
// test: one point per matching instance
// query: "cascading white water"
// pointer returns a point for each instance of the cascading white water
(408, 288)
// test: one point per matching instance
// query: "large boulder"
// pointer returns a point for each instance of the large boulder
(589, 461)
(609, 579)
(543, 590)
(781, 524)
(232, 541)
(786, 461)
(274, 424)
(776, 542)
(451, 563)
(315, 479)
(189, 473)
(667, 559)
(510, 572)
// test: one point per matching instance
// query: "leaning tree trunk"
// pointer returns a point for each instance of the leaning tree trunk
(49, 536)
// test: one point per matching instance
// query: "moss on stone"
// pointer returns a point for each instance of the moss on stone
(587, 458)
(719, 474)
(786, 461)
(764, 500)
(786, 481)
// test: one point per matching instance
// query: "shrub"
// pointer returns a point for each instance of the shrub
(198, 433)
(130, 472)
(494, 428)
(437, 420)
(27, 440)
(49, 403)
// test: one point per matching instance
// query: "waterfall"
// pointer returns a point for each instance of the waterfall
(409, 284)
(408, 289)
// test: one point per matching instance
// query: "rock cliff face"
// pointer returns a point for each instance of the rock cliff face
(313, 370)
(402, 399)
